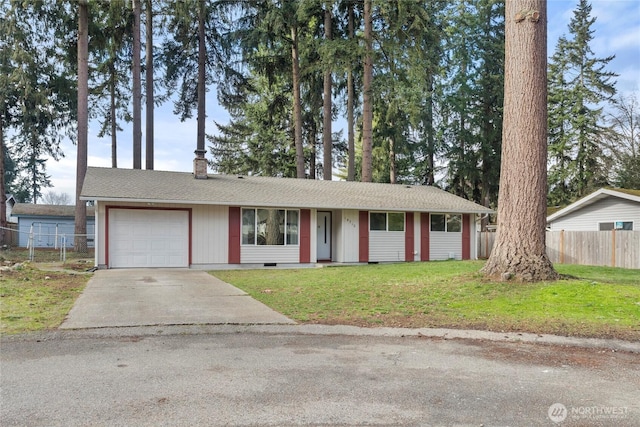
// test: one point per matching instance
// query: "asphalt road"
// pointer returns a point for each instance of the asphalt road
(186, 379)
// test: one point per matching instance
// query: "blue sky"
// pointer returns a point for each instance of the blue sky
(617, 32)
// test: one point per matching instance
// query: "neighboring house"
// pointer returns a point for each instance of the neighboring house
(49, 225)
(605, 209)
(149, 218)
(10, 202)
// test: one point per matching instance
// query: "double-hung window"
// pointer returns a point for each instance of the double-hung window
(269, 227)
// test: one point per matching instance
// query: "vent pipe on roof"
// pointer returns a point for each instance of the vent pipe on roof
(200, 165)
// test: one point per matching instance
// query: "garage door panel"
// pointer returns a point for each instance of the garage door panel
(148, 238)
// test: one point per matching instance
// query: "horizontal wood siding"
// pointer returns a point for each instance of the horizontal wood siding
(386, 246)
(44, 231)
(269, 254)
(441, 244)
(605, 210)
(210, 234)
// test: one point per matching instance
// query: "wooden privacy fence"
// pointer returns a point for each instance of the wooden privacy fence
(607, 248)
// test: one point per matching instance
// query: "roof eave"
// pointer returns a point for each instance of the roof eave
(591, 198)
(278, 205)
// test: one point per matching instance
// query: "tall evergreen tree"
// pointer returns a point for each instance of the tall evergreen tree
(579, 87)
(367, 98)
(520, 252)
(136, 94)
(36, 94)
(149, 86)
(194, 48)
(80, 219)
(111, 43)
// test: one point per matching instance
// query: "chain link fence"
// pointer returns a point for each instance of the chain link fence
(46, 246)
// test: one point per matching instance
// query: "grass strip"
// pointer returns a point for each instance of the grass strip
(594, 302)
(32, 300)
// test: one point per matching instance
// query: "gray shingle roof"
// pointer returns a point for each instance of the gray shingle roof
(29, 209)
(108, 184)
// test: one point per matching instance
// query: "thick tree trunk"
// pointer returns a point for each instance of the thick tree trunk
(519, 252)
(431, 149)
(367, 107)
(113, 123)
(80, 241)
(327, 140)
(393, 169)
(202, 58)
(149, 86)
(351, 146)
(3, 198)
(137, 88)
(297, 105)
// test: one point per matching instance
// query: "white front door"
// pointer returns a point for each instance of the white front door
(324, 236)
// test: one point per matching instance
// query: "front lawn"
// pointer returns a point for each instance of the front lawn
(32, 299)
(594, 302)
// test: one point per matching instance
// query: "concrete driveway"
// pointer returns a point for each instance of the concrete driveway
(145, 297)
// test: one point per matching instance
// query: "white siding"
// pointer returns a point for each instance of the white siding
(605, 210)
(386, 246)
(346, 224)
(473, 252)
(441, 244)
(210, 234)
(250, 254)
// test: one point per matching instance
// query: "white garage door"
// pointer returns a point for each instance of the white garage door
(148, 238)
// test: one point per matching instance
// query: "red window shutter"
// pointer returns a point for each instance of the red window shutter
(364, 236)
(235, 226)
(305, 235)
(466, 236)
(408, 237)
(425, 229)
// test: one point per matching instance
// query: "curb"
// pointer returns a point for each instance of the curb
(345, 330)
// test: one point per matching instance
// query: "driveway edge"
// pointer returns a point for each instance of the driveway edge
(346, 330)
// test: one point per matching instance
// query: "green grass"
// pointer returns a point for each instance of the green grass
(595, 302)
(32, 300)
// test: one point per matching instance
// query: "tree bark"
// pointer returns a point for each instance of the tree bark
(202, 58)
(149, 86)
(114, 124)
(297, 104)
(80, 231)
(519, 252)
(431, 149)
(367, 107)
(327, 140)
(3, 198)
(137, 88)
(351, 146)
(393, 168)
